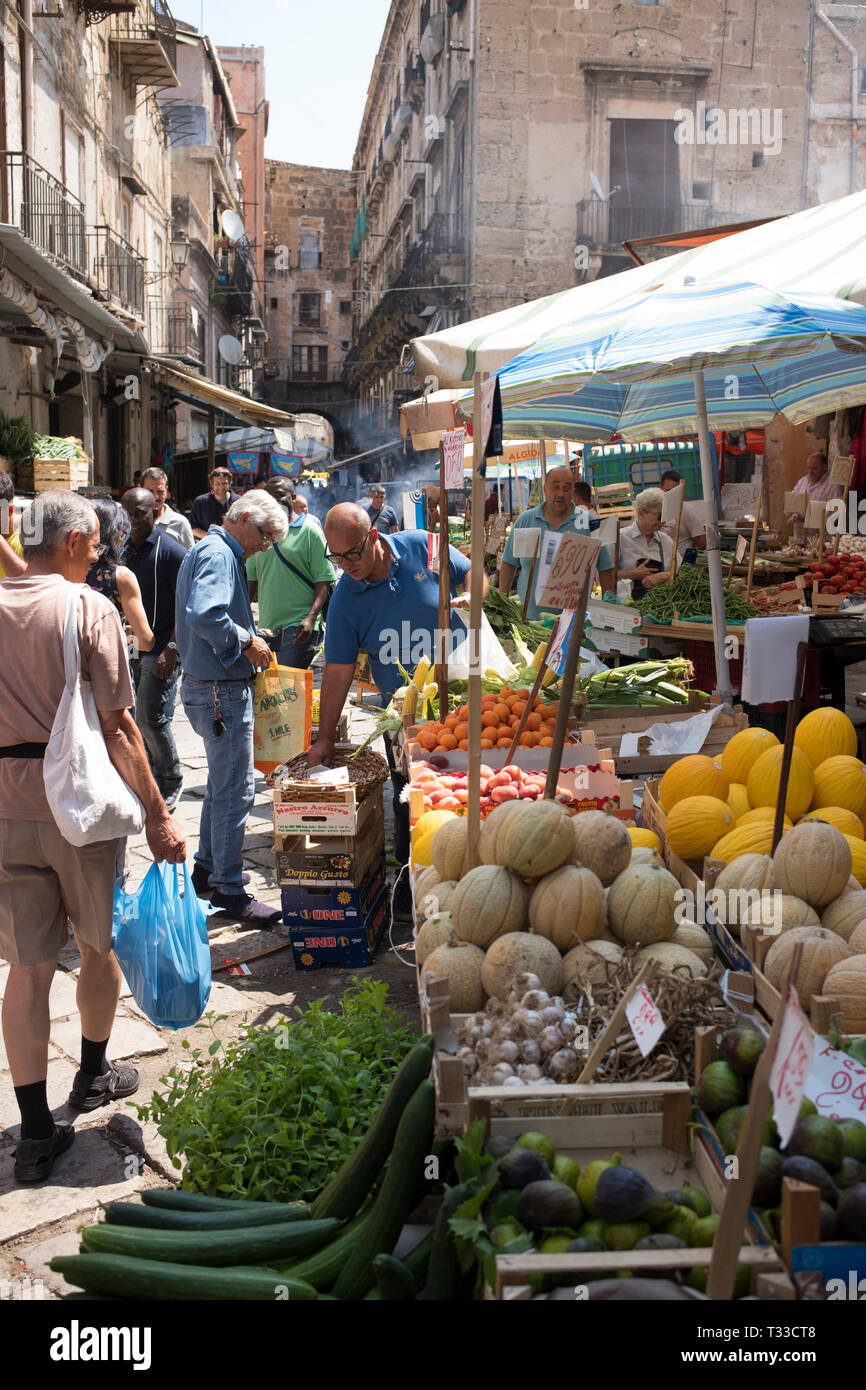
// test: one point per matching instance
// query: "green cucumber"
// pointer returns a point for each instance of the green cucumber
(344, 1194)
(394, 1281)
(321, 1268)
(397, 1195)
(259, 1245)
(418, 1259)
(124, 1277)
(444, 1267)
(175, 1199)
(160, 1218)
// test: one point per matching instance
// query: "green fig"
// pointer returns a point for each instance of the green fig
(586, 1183)
(680, 1223)
(565, 1170)
(540, 1143)
(704, 1230)
(624, 1235)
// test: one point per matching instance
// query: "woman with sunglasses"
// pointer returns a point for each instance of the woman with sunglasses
(109, 577)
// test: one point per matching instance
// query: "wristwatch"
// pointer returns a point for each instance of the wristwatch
(249, 642)
(171, 646)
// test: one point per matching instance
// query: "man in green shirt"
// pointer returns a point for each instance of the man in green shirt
(292, 580)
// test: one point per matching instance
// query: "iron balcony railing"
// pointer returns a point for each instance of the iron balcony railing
(610, 223)
(151, 20)
(443, 236)
(186, 334)
(118, 269)
(234, 280)
(46, 212)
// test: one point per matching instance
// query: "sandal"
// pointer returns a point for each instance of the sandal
(34, 1158)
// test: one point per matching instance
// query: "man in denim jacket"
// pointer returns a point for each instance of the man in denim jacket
(219, 650)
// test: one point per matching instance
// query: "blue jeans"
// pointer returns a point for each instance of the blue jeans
(230, 790)
(289, 653)
(154, 711)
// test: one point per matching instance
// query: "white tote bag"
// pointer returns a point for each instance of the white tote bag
(89, 800)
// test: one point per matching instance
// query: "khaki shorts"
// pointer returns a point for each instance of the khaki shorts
(48, 886)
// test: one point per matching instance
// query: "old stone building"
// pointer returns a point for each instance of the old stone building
(310, 216)
(509, 149)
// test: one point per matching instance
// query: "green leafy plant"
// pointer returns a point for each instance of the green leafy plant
(17, 438)
(275, 1116)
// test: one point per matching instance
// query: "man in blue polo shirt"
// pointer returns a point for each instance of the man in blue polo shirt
(386, 603)
(556, 513)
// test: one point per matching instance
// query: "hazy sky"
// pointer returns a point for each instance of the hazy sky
(318, 60)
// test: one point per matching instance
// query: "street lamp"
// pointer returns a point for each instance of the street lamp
(179, 250)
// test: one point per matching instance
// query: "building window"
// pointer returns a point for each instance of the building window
(345, 306)
(309, 255)
(310, 362)
(644, 162)
(309, 311)
(274, 303)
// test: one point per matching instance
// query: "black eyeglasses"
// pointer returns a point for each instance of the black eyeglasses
(349, 555)
(268, 540)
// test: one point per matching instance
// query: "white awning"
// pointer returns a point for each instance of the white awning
(201, 391)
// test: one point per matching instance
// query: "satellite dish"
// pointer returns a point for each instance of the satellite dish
(232, 225)
(230, 350)
(597, 188)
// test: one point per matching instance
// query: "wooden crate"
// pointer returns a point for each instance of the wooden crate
(43, 474)
(610, 725)
(321, 809)
(333, 859)
(756, 943)
(657, 1144)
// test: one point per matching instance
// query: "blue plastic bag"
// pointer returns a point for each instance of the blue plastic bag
(160, 939)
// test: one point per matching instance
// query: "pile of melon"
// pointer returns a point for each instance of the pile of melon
(555, 896)
(725, 807)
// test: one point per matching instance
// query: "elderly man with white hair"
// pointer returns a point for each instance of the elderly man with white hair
(645, 552)
(219, 651)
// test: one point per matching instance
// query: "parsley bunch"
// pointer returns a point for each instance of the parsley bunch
(278, 1113)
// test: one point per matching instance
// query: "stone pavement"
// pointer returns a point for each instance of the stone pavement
(114, 1155)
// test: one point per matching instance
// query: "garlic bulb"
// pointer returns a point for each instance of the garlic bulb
(530, 1050)
(501, 1073)
(551, 1016)
(562, 1065)
(530, 1073)
(529, 1023)
(512, 1081)
(569, 1026)
(551, 1040)
(535, 999)
(527, 981)
(505, 1051)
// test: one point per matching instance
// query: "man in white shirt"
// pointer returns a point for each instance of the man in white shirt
(693, 533)
(645, 553)
(156, 481)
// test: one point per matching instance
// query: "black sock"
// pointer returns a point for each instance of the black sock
(93, 1061)
(36, 1121)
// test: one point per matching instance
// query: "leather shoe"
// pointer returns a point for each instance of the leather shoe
(240, 907)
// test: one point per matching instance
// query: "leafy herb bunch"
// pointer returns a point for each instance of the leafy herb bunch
(277, 1114)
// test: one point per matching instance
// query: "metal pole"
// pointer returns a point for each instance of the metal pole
(714, 558)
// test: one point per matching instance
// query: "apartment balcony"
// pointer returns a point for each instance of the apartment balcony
(442, 239)
(609, 224)
(145, 42)
(234, 282)
(118, 270)
(46, 212)
(176, 331)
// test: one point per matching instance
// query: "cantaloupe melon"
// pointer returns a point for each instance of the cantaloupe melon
(438, 898)
(490, 830)
(745, 880)
(763, 783)
(841, 781)
(536, 839)
(461, 965)
(488, 902)
(448, 849)
(590, 963)
(516, 954)
(846, 981)
(857, 939)
(601, 843)
(778, 912)
(693, 775)
(839, 818)
(694, 938)
(741, 752)
(436, 931)
(813, 861)
(674, 959)
(845, 914)
(821, 950)
(641, 903)
(642, 854)
(695, 824)
(825, 733)
(430, 820)
(568, 906)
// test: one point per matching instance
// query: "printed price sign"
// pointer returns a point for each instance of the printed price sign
(742, 547)
(564, 563)
(795, 503)
(559, 642)
(453, 445)
(836, 1083)
(644, 1019)
(790, 1066)
(840, 469)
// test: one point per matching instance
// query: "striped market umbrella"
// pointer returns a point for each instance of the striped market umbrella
(696, 358)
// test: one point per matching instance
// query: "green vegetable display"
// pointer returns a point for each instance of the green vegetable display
(17, 438)
(643, 683)
(275, 1117)
(689, 596)
(505, 611)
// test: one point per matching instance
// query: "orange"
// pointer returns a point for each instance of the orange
(522, 694)
(503, 743)
(545, 742)
(487, 743)
(489, 719)
(501, 710)
(428, 739)
(529, 739)
(533, 722)
(448, 741)
(464, 744)
(461, 731)
(505, 692)
(513, 721)
(518, 707)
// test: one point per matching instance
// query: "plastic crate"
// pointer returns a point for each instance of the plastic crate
(643, 463)
(703, 657)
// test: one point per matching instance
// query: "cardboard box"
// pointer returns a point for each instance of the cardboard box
(321, 904)
(615, 616)
(333, 859)
(347, 947)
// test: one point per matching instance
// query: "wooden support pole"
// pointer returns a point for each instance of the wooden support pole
(788, 746)
(542, 671)
(566, 693)
(444, 632)
(473, 827)
(543, 451)
(674, 553)
(754, 541)
(211, 438)
(645, 976)
(528, 595)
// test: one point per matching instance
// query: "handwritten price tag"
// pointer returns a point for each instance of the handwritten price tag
(453, 445)
(791, 1066)
(433, 552)
(742, 547)
(645, 1021)
(563, 566)
(836, 1083)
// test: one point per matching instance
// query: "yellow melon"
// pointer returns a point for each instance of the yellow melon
(839, 818)
(738, 798)
(741, 752)
(431, 820)
(641, 837)
(695, 824)
(841, 781)
(858, 859)
(693, 775)
(826, 733)
(764, 815)
(763, 783)
(747, 839)
(422, 850)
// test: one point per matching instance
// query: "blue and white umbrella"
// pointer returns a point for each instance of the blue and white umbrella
(698, 358)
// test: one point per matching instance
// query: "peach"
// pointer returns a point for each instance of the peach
(502, 793)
